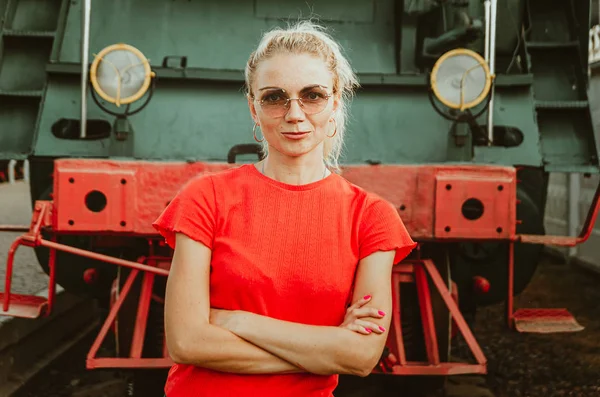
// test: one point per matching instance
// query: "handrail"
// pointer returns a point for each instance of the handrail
(568, 241)
(14, 228)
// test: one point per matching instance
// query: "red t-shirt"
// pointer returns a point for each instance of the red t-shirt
(285, 251)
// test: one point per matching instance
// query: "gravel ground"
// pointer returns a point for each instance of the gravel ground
(546, 365)
(28, 277)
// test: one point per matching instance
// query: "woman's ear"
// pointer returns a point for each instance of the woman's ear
(336, 103)
(252, 109)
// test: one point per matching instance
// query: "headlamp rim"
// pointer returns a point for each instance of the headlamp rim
(147, 75)
(486, 70)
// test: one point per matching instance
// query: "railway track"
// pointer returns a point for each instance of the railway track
(28, 347)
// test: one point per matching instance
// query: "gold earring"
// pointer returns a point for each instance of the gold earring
(334, 131)
(254, 133)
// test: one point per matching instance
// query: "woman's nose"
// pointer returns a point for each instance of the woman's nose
(295, 111)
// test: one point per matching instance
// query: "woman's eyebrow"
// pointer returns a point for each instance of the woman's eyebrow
(270, 88)
(303, 89)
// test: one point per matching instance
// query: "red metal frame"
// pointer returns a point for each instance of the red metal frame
(13, 228)
(428, 208)
(549, 315)
(28, 306)
(417, 271)
(567, 241)
(135, 359)
(429, 199)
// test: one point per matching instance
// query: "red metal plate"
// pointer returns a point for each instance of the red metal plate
(460, 194)
(91, 201)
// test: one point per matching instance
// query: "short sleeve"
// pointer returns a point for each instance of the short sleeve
(191, 212)
(382, 229)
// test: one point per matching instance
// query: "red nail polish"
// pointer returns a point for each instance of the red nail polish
(381, 328)
(381, 313)
(367, 297)
(368, 330)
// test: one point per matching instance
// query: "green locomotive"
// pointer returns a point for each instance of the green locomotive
(464, 109)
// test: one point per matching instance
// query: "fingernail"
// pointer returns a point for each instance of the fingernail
(381, 313)
(381, 328)
(367, 297)
(368, 330)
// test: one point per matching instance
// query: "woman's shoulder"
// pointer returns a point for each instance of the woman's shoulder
(359, 194)
(222, 179)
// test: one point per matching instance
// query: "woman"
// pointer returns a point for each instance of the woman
(269, 256)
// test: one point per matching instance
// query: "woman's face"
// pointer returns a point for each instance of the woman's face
(292, 130)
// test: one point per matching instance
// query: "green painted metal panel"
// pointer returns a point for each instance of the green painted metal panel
(221, 34)
(17, 123)
(559, 62)
(199, 113)
(200, 121)
(333, 10)
(26, 33)
(35, 15)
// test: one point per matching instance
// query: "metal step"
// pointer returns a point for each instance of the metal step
(24, 306)
(562, 104)
(545, 321)
(22, 93)
(551, 45)
(28, 33)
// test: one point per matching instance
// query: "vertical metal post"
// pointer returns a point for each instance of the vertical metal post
(511, 285)
(85, 44)
(491, 52)
(573, 221)
(26, 171)
(11, 171)
(487, 5)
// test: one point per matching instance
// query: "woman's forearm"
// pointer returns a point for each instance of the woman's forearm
(219, 349)
(321, 350)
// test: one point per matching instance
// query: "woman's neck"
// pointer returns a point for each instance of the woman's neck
(294, 170)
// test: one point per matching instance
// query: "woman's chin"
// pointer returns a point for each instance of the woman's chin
(297, 148)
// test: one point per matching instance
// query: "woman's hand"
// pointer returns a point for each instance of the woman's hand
(357, 315)
(357, 318)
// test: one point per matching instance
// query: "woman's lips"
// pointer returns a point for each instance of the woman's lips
(296, 135)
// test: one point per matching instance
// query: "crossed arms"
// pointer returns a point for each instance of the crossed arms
(244, 342)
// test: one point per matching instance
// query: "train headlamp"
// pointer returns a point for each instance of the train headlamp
(121, 74)
(461, 79)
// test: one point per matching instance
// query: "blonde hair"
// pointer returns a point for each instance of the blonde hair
(308, 37)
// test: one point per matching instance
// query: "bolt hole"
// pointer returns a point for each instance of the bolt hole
(500, 188)
(499, 229)
(123, 181)
(95, 201)
(402, 207)
(448, 187)
(447, 228)
(71, 180)
(472, 209)
(123, 223)
(71, 222)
